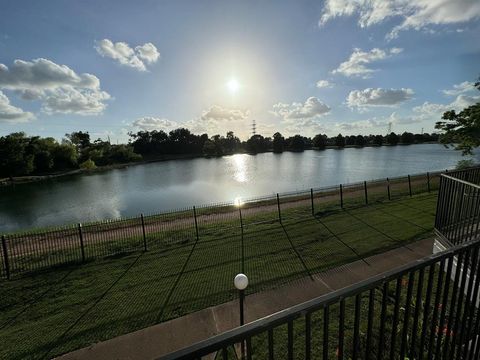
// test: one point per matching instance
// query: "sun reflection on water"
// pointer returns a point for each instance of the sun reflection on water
(240, 172)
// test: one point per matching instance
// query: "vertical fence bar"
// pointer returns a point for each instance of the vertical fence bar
(409, 185)
(388, 189)
(308, 336)
(5, 257)
(143, 232)
(290, 339)
(279, 211)
(366, 193)
(383, 314)
(326, 315)
(341, 329)
(428, 181)
(270, 344)
(371, 310)
(196, 224)
(241, 237)
(356, 328)
(82, 247)
(406, 318)
(311, 200)
(341, 196)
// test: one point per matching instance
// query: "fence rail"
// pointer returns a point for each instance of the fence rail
(35, 250)
(423, 310)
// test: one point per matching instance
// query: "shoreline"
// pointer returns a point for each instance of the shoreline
(18, 180)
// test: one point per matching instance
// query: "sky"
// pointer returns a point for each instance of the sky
(297, 67)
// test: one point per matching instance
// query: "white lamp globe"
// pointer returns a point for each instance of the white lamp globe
(241, 281)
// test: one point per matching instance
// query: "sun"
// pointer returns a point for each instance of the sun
(233, 85)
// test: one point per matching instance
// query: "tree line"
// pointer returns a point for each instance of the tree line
(22, 155)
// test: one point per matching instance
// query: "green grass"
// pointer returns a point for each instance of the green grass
(52, 312)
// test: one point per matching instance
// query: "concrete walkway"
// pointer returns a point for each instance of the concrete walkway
(161, 339)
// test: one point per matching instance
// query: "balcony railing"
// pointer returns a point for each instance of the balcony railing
(423, 310)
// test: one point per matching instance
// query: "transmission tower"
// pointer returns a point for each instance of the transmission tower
(254, 128)
(389, 127)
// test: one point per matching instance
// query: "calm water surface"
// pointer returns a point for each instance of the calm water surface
(173, 184)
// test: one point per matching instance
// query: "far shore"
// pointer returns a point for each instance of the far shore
(41, 177)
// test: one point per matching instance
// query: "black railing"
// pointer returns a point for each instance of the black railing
(458, 207)
(424, 310)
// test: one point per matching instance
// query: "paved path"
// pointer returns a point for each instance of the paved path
(158, 340)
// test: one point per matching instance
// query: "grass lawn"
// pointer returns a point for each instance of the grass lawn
(60, 310)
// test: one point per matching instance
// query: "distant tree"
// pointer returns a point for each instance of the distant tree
(360, 140)
(297, 143)
(257, 143)
(392, 139)
(340, 141)
(461, 129)
(209, 148)
(15, 160)
(88, 164)
(80, 139)
(407, 138)
(231, 143)
(378, 140)
(320, 141)
(65, 156)
(350, 140)
(278, 143)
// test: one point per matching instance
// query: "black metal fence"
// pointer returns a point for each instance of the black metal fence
(57, 246)
(424, 310)
(458, 207)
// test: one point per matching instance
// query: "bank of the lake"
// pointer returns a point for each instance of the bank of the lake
(159, 186)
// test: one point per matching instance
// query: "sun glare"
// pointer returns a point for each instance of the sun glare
(233, 85)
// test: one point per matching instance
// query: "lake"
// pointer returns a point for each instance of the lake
(174, 184)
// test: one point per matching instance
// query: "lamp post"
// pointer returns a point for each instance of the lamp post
(241, 283)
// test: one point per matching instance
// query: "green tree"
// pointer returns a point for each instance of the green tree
(378, 140)
(278, 143)
(297, 143)
(462, 129)
(340, 141)
(15, 160)
(407, 138)
(392, 139)
(320, 141)
(360, 140)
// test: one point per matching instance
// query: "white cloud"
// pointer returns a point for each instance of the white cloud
(461, 88)
(69, 100)
(414, 14)
(434, 111)
(41, 74)
(150, 123)
(357, 64)
(136, 58)
(10, 113)
(217, 113)
(59, 88)
(324, 84)
(311, 108)
(378, 97)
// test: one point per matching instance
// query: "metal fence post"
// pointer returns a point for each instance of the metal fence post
(279, 211)
(196, 224)
(241, 233)
(82, 247)
(366, 193)
(409, 186)
(388, 189)
(428, 181)
(143, 232)
(311, 199)
(341, 196)
(5, 257)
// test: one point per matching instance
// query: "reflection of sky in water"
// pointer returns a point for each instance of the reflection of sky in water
(175, 184)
